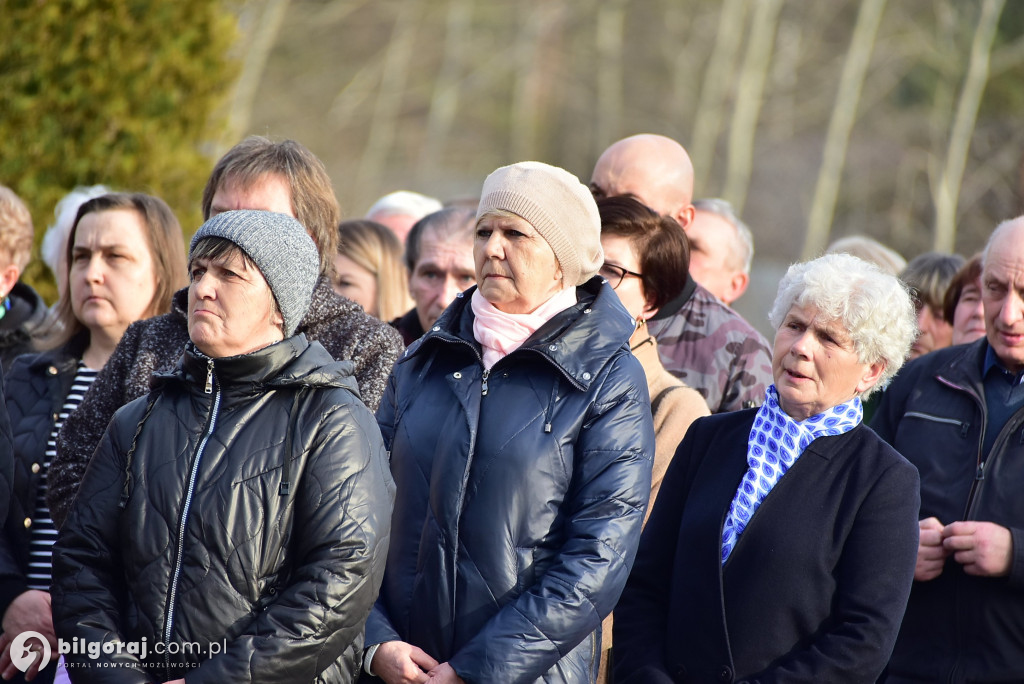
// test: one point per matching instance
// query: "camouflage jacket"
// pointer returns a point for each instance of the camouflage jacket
(713, 349)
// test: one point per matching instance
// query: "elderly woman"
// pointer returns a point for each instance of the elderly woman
(787, 550)
(232, 525)
(521, 440)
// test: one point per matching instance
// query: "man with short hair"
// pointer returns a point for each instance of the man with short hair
(22, 310)
(721, 249)
(958, 415)
(257, 173)
(701, 340)
(439, 256)
(400, 211)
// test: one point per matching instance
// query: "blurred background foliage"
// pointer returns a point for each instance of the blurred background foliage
(898, 119)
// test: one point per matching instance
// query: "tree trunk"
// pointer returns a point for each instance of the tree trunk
(749, 96)
(717, 77)
(611, 18)
(963, 125)
(819, 223)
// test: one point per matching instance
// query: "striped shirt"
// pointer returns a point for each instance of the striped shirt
(44, 532)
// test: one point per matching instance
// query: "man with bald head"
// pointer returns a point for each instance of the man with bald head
(958, 415)
(650, 168)
(701, 340)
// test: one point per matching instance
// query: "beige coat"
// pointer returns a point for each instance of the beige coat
(675, 406)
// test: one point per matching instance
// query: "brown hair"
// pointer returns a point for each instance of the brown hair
(928, 276)
(313, 201)
(375, 248)
(968, 273)
(659, 242)
(15, 228)
(166, 246)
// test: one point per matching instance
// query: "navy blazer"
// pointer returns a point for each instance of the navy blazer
(814, 589)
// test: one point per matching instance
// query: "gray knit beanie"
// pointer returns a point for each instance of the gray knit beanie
(282, 250)
(558, 206)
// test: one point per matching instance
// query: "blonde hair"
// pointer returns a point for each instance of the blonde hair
(375, 248)
(15, 228)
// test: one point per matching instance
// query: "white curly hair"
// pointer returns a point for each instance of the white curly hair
(874, 307)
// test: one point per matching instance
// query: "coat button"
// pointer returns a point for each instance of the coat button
(587, 310)
(35, 467)
(52, 370)
(586, 376)
(725, 674)
(457, 375)
(28, 523)
(553, 347)
(459, 295)
(436, 328)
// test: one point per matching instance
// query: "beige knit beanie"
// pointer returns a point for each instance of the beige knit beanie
(558, 206)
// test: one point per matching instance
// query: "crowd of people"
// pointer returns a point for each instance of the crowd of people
(520, 439)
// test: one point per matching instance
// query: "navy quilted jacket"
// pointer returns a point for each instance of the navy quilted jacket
(522, 491)
(256, 515)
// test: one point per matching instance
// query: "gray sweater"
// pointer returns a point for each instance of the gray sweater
(156, 344)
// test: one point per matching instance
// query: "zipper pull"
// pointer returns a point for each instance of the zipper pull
(964, 427)
(980, 475)
(483, 387)
(209, 376)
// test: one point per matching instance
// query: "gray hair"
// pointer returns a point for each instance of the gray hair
(873, 306)
(743, 244)
(64, 213)
(404, 202)
(451, 224)
(1006, 225)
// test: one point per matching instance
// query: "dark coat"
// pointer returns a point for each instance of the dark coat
(813, 590)
(154, 345)
(26, 316)
(935, 414)
(257, 514)
(35, 389)
(408, 326)
(523, 491)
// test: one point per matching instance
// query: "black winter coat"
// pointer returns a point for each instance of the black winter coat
(814, 589)
(959, 627)
(523, 490)
(35, 390)
(256, 516)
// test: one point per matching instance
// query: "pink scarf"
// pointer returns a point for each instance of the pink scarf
(501, 333)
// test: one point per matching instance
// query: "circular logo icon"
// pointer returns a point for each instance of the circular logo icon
(25, 650)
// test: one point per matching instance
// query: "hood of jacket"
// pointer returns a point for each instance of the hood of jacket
(576, 342)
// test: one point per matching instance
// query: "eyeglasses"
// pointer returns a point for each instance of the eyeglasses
(615, 274)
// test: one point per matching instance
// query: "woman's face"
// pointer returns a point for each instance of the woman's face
(969, 315)
(619, 251)
(933, 332)
(815, 365)
(230, 308)
(111, 280)
(355, 282)
(516, 270)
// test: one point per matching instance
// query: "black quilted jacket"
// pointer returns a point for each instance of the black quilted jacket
(523, 490)
(256, 515)
(35, 389)
(154, 345)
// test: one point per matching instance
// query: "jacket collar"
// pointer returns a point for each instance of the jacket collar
(672, 307)
(964, 369)
(578, 341)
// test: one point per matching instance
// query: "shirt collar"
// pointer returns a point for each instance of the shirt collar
(992, 362)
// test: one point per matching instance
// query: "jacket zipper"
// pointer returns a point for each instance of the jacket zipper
(963, 425)
(483, 386)
(173, 593)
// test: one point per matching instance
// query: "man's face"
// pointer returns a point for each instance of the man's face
(443, 270)
(713, 261)
(269, 193)
(1002, 283)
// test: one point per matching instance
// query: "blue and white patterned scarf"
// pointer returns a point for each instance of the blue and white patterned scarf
(776, 441)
